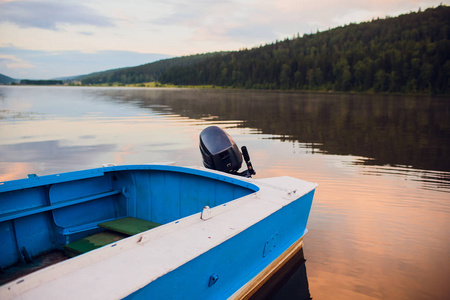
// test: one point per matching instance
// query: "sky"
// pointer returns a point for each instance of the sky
(45, 39)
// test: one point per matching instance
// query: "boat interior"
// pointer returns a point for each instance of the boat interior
(48, 219)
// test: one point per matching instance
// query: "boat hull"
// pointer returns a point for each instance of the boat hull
(236, 261)
(217, 233)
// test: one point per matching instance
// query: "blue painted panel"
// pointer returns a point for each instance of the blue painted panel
(120, 205)
(35, 233)
(240, 192)
(172, 199)
(29, 198)
(48, 179)
(79, 188)
(189, 190)
(174, 195)
(207, 194)
(9, 254)
(235, 261)
(226, 193)
(158, 191)
(88, 212)
(125, 181)
(142, 194)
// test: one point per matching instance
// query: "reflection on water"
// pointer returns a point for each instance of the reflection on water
(406, 131)
(289, 282)
(380, 223)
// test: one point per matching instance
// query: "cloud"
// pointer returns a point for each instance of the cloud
(13, 62)
(251, 22)
(254, 31)
(174, 27)
(49, 15)
(85, 33)
(36, 64)
(223, 21)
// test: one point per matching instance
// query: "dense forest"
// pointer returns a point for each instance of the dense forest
(144, 73)
(409, 54)
(41, 82)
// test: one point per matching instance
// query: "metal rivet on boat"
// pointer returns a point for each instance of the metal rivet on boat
(290, 194)
(213, 279)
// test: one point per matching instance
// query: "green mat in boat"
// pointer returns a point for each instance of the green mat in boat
(92, 242)
(129, 226)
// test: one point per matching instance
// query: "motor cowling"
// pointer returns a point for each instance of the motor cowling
(220, 152)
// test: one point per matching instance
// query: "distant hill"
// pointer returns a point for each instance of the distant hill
(409, 53)
(143, 73)
(6, 80)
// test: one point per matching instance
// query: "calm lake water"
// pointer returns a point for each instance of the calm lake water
(380, 222)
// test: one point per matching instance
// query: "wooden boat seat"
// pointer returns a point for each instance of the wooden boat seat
(128, 225)
(115, 230)
(92, 242)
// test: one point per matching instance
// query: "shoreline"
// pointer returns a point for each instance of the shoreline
(154, 85)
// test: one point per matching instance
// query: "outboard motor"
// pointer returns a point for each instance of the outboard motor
(220, 152)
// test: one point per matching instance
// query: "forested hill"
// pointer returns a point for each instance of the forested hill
(6, 80)
(144, 73)
(409, 53)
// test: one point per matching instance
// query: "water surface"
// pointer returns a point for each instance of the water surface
(380, 223)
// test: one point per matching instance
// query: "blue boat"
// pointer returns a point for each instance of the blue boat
(147, 231)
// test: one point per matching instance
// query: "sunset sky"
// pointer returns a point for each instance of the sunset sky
(54, 38)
